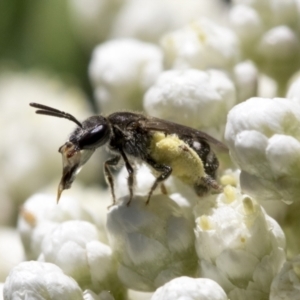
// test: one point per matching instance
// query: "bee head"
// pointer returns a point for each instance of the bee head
(94, 132)
(88, 135)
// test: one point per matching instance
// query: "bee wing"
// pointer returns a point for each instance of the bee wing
(168, 127)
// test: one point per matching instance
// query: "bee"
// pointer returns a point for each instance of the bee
(166, 147)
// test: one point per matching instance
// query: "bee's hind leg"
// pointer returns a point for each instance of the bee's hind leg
(163, 189)
(165, 173)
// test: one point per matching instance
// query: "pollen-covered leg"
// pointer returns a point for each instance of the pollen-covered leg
(108, 176)
(206, 184)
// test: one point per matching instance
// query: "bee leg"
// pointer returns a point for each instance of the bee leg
(130, 179)
(108, 176)
(165, 173)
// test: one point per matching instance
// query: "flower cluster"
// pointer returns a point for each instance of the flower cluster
(231, 71)
(242, 258)
(269, 34)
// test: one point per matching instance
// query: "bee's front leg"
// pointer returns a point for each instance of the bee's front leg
(108, 176)
(130, 179)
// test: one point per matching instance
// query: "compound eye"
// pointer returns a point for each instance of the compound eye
(95, 137)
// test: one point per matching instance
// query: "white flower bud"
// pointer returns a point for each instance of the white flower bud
(11, 251)
(267, 87)
(283, 12)
(294, 88)
(121, 70)
(153, 243)
(262, 135)
(202, 98)
(286, 284)
(40, 281)
(278, 52)
(137, 295)
(273, 13)
(75, 247)
(238, 245)
(190, 288)
(145, 20)
(230, 177)
(144, 180)
(40, 214)
(183, 194)
(275, 209)
(93, 19)
(148, 20)
(246, 80)
(201, 45)
(247, 24)
(268, 33)
(1, 290)
(90, 295)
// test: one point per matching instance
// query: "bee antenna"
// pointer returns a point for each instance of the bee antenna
(49, 111)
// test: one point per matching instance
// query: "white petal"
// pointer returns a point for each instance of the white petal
(187, 288)
(122, 69)
(238, 265)
(37, 280)
(201, 45)
(153, 243)
(203, 98)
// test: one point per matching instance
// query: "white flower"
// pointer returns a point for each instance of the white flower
(145, 20)
(148, 20)
(268, 34)
(246, 80)
(278, 52)
(90, 295)
(144, 180)
(40, 281)
(183, 194)
(1, 290)
(137, 295)
(273, 12)
(286, 284)
(93, 19)
(293, 91)
(153, 243)
(263, 139)
(201, 45)
(121, 70)
(280, 36)
(267, 86)
(190, 289)
(11, 250)
(247, 24)
(195, 98)
(40, 214)
(75, 247)
(275, 209)
(238, 245)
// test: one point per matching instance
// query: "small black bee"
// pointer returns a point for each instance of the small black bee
(168, 148)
